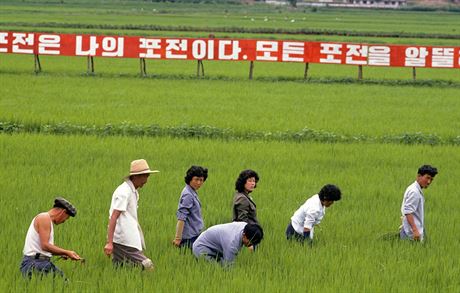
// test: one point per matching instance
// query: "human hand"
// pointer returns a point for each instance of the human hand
(108, 249)
(73, 255)
(176, 242)
(416, 235)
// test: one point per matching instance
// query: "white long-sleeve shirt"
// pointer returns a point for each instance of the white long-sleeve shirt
(413, 203)
(308, 215)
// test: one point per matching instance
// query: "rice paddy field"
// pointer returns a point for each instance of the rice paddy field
(350, 119)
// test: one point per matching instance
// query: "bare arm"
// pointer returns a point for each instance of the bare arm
(411, 221)
(108, 248)
(42, 225)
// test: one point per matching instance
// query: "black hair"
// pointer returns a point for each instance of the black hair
(243, 177)
(427, 169)
(330, 192)
(254, 233)
(197, 171)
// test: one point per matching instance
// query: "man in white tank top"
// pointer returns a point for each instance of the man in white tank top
(39, 245)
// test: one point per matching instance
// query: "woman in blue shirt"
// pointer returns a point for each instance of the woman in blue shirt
(189, 219)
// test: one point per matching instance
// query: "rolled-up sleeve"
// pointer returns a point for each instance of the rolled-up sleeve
(120, 202)
(185, 204)
(411, 203)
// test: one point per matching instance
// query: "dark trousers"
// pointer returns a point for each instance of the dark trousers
(292, 234)
(38, 264)
(188, 243)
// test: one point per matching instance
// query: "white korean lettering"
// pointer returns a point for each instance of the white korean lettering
(113, 47)
(150, 46)
(379, 56)
(233, 47)
(333, 53)
(49, 44)
(442, 57)
(3, 42)
(23, 43)
(416, 57)
(199, 49)
(356, 54)
(293, 51)
(268, 50)
(91, 51)
(176, 49)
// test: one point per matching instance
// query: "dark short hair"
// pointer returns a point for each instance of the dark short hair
(196, 171)
(254, 233)
(427, 169)
(330, 192)
(243, 177)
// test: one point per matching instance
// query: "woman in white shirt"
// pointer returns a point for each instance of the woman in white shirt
(301, 226)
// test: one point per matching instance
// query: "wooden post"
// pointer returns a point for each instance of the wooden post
(414, 74)
(143, 67)
(251, 69)
(305, 74)
(360, 72)
(198, 66)
(90, 67)
(37, 65)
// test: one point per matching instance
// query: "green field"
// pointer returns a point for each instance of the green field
(247, 16)
(348, 255)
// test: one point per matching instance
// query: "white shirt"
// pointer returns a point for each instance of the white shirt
(32, 245)
(308, 215)
(413, 203)
(127, 229)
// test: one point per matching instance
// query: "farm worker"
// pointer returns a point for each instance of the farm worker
(413, 203)
(244, 207)
(222, 242)
(125, 240)
(39, 245)
(302, 223)
(189, 219)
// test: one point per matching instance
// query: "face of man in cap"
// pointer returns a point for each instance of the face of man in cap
(61, 216)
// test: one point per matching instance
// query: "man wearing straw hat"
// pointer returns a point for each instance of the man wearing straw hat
(39, 245)
(125, 240)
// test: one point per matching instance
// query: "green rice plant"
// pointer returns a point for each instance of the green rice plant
(347, 255)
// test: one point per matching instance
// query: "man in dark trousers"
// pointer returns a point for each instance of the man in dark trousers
(39, 245)
(412, 207)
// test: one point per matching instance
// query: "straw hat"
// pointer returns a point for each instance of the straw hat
(139, 167)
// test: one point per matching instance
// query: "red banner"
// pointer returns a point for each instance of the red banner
(229, 50)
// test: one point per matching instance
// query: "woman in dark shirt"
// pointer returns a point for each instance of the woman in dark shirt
(244, 208)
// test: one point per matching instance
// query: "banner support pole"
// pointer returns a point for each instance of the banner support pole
(414, 74)
(90, 65)
(251, 69)
(37, 65)
(305, 74)
(360, 72)
(198, 66)
(143, 67)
